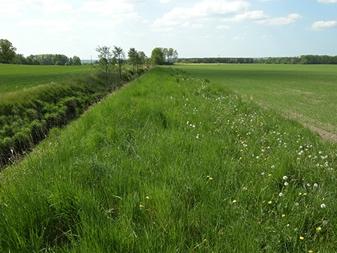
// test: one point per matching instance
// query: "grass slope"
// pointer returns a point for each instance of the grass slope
(305, 92)
(18, 77)
(173, 164)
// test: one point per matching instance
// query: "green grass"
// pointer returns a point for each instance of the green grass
(19, 77)
(171, 163)
(305, 92)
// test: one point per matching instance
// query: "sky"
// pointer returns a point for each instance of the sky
(196, 28)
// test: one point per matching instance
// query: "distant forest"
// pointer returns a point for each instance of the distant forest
(304, 59)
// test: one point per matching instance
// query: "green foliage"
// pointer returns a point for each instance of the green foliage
(76, 61)
(27, 118)
(162, 56)
(157, 56)
(7, 51)
(173, 163)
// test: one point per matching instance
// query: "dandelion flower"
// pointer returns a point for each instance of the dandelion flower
(210, 178)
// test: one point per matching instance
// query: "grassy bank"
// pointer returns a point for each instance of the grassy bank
(307, 93)
(29, 112)
(173, 164)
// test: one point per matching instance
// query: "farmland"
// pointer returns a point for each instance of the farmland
(175, 163)
(18, 77)
(305, 93)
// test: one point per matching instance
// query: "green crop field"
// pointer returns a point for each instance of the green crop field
(173, 163)
(307, 93)
(18, 77)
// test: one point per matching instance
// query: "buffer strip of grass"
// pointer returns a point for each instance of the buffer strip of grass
(173, 164)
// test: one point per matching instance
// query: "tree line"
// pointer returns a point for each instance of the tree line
(304, 59)
(107, 57)
(112, 59)
(8, 55)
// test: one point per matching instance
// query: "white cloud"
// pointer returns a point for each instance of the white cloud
(15, 8)
(164, 1)
(202, 10)
(327, 1)
(109, 7)
(322, 25)
(278, 21)
(223, 11)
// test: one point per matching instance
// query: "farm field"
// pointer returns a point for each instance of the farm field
(19, 77)
(172, 163)
(307, 93)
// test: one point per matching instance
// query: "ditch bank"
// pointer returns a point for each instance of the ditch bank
(26, 117)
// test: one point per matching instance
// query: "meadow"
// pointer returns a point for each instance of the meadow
(174, 163)
(307, 93)
(18, 77)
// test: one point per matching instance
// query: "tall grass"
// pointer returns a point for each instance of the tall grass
(172, 163)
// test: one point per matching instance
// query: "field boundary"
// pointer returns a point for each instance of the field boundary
(323, 133)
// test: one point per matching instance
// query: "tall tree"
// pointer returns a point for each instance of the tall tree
(133, 58)
(166, 54)
(170, 53)
(141, 58)
(157, 56)
(106, 62)
(119, 58)
(77, 60)
(7, 51)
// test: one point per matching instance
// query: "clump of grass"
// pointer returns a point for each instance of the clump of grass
(168, 165)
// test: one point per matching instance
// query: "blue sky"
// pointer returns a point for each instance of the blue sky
(196, 28)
